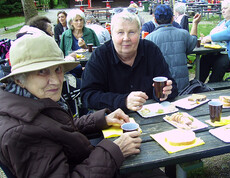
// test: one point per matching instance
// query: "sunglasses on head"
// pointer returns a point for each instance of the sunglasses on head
(130, 10)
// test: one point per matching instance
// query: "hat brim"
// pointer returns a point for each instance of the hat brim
(38, 66)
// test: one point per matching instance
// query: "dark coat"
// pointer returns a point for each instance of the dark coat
(58, 30)
(40, 139)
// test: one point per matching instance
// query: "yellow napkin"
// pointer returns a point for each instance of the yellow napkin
(116, 131)
(223, 121)
(160, 138)
(212, 46)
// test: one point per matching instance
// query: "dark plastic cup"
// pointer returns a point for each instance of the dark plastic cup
(215, 110)
(90, 47)
(129, 127)
(159, 84)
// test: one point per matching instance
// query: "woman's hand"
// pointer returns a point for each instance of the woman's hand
(167, 90)
(129, 143)
(81, 43)
(206, 39)
(118, 117)
(135, 100)
(196, 18)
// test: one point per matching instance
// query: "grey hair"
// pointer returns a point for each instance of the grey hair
(131, 17)
(72, 15)
(180, 8)
(91, 18)
(20, 77)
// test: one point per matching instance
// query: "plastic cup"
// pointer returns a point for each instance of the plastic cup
(94, 47)
(215, 110)
(198, 43)
(129, 127)
(90, 47)
(159, 84)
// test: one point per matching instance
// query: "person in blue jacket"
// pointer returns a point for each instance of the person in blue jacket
(151, 25)
(218, 63)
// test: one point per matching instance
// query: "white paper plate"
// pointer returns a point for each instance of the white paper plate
(196, 124)
(186, 104)
(223, 133)
(151, 110)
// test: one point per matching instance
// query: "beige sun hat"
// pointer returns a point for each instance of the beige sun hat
(35, 51)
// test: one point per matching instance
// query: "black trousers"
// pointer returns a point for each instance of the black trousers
(218, 64)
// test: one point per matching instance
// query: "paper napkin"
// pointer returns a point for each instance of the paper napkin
(115, 131)
(223, 121)
(160, 138)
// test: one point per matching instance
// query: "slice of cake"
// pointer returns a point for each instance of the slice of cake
(197, 97)
(179, 137)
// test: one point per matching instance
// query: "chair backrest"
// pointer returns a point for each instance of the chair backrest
(7, 172)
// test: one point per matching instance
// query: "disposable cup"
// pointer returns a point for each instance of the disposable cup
(159, 84)
(129, 127)
(215, 110)
(90, 47)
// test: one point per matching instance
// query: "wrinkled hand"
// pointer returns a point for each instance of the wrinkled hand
(129, 143)
(118, 117)
(81, 43)
(135, 100)
(196, 18)
(206, 39)
(167, 90)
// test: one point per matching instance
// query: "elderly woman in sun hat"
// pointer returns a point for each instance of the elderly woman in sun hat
(38, 136)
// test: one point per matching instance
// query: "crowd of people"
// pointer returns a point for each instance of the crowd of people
(39, 135)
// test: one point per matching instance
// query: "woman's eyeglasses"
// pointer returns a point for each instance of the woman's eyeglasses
(130, 10)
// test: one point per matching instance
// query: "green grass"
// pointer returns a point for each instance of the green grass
(9, 21)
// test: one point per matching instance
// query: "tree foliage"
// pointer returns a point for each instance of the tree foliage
(10, 8)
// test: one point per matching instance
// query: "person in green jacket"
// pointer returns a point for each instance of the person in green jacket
(77, 36)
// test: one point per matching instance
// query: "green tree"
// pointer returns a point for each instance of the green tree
(29, 9)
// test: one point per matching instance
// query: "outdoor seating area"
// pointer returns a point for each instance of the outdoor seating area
(85, 82)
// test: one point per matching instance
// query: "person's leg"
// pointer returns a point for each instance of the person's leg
(219, 67)
(205, 66)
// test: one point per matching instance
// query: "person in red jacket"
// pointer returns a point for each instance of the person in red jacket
(38, 135)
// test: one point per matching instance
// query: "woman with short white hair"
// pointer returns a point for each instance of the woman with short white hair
(77, 36)
(179, 15)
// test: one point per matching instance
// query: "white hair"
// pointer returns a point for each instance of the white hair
(180, 8)
(72, 15)
(131, 17)
(20, 77)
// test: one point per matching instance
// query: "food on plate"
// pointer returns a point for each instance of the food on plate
(180, 137)
(225, 100)
(145, 111)
(212, 46)
(160, 111)
(182, 120)
(80, 56)
(81, 50)
(197, 97)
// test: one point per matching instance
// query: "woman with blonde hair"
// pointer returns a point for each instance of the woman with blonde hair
(61, 26)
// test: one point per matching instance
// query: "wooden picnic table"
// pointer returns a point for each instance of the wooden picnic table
(202, 51)
(99, 12)
(153, 155)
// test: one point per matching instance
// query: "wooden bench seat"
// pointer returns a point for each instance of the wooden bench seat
(219, 85)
